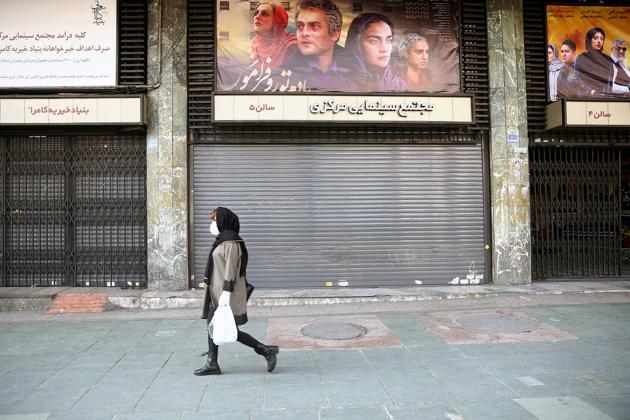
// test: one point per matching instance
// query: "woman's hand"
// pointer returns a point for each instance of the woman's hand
(224, 299)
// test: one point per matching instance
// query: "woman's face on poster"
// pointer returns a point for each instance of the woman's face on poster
(419, 55)
(376, 44)
(550, 54)
(597, 42)
(263, 19)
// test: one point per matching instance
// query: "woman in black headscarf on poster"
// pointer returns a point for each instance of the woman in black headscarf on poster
(227, 285)
(368, 51)
(595, 68)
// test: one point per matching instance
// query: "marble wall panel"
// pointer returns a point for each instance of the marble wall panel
(509, 161)
(167, 195)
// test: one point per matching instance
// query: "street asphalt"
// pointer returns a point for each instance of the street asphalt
(512, 357)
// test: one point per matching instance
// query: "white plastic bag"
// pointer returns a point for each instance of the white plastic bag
(222, 327)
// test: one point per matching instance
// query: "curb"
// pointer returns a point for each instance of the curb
(29, 299)
(173, 301)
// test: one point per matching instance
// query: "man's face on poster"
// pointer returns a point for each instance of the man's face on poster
(312, 32)
(418, 55)
(567, 54)
(619, 50)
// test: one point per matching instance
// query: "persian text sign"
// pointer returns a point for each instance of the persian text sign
(589, 113)
(58, 43)
(84, 110)
(350, 109)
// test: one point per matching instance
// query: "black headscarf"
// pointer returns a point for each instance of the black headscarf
(229, 226)
(370, 79)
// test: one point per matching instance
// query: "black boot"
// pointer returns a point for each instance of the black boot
(211, 367)
(270, 353)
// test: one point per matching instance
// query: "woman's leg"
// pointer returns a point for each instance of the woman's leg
(211, 367)
(268, 352)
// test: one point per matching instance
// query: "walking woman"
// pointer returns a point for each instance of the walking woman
(226, 285)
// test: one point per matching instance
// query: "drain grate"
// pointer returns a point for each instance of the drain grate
(333, 330)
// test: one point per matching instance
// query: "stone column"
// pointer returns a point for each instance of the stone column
(509, 160)
(167, 195)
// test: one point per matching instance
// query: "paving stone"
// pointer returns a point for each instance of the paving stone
(219, 398)
(82, 415)
(29, 416)
(480, 389)
(414, 391)
(55, 400)
(173, 395)
(367, 392)
(367, 413)
(498, 410)
(409, 330)
(18, 383)
(284, 414)
(390, 357)
(149, 415)
(96, 359)
(185, 359)
(434, 412)
(291, 397)
(75, 377)
(145, 359)
(442, 351)
(615, 406)
(561, 408)
(232, 414)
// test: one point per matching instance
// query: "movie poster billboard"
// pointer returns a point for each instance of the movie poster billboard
(587, 52)
(58, 43)
(337, 46)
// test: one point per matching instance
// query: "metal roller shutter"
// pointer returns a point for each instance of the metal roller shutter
(368, 215)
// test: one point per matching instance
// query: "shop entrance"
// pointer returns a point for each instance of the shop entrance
(73, 211)
(578, 212)
(346, 215)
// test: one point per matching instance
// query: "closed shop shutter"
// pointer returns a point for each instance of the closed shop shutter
(361, 215)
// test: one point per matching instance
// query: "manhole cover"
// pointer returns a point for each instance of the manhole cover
(498, 324)
(333, 330)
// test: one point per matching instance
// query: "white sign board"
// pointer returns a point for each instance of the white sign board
(122, 110)
(346, 109)
(588, 114)
(58, 43)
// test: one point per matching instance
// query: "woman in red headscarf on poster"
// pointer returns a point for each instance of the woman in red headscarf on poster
(272, 45)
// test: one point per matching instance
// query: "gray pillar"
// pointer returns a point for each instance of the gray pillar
(509, 160)
(167, 196)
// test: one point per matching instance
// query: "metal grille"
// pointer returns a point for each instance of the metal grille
(201, 49)
(132, 68)
(74, 210)
(534, 21)
(576, 213)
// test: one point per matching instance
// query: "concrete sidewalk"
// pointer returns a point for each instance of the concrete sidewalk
(41, 298)
(481, 360)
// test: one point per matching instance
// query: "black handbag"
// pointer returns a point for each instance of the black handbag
(249, 289)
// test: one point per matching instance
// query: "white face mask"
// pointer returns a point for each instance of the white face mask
(214, 230)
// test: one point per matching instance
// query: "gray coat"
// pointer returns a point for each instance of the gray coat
(226, 267)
